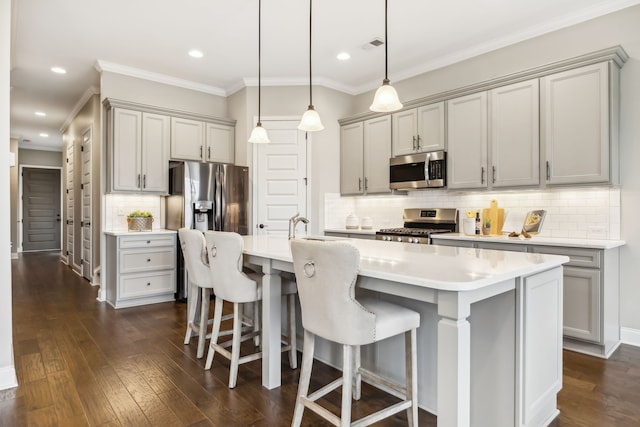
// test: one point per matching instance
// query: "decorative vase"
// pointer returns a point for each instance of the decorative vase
(486, 230)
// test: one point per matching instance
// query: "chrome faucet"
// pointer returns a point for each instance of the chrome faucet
(293, 221)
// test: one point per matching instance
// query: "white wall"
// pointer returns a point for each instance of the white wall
(619, 28)
(7, 366)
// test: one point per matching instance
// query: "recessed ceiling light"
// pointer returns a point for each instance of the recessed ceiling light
(44, 135)
(40, 113)
(58, 70)
(343, 56)
(194, 53)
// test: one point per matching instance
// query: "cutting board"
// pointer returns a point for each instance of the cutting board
(496, 215)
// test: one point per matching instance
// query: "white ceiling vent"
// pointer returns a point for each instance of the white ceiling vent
(373, 43)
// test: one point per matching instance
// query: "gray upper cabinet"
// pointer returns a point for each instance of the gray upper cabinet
(365, 149)
(138, 151)
(201, 141)
(467, 141)
(418, 130)
(576, 125)
(351, 160)
(220, 143)
(514, 135)
(187, 139)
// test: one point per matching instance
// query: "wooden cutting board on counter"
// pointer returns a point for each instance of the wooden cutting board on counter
(496, 215)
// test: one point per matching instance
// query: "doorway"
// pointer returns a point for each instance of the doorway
(41, 222)
(280, 178)
(85, 220)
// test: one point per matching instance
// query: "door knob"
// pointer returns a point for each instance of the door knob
(261, 226)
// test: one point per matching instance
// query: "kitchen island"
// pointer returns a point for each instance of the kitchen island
(490, 339)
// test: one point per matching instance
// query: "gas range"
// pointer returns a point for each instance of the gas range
(420, 225)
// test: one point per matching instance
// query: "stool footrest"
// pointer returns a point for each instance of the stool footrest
(376, 380)
(325, 390)
(381, 414)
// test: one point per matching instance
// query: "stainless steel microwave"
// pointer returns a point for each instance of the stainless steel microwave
(424, 170)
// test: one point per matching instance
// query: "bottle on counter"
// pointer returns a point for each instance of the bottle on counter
(478, 223)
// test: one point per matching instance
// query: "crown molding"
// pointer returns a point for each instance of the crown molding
(157, 77)
(91, 90)
(296, 81)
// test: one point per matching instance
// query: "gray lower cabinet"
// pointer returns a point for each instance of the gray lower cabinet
(591, 300)
(141, 269)
(348, 235)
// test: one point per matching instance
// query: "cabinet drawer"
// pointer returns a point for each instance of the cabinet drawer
(145, 284)
(589, 258)
(135, 260)
(140, 241)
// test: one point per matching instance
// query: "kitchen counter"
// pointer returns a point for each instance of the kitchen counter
(534, 240)
(490, 333)
(133, 233)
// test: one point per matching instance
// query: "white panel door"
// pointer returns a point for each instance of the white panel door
(69, 201)
(281, 175)
(86, 263)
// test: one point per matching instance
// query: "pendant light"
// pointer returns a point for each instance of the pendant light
(386, 98)
(259, 134)
(310, 121)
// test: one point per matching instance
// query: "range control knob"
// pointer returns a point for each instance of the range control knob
(399, 239)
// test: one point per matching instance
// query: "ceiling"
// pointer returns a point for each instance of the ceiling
(151, 38)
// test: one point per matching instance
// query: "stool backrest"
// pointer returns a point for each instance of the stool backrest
(326, 274)
(225, 263)
(194, 250)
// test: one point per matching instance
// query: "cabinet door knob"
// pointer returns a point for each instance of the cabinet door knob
(148, 283)
(148, 242)
(148, 259)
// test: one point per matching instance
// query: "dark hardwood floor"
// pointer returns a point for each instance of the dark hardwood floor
(80, 362)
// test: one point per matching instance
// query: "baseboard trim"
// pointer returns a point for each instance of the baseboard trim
(14, 255)
(8, 377)
(630, 336)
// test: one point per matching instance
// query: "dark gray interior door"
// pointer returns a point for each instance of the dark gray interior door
(40, 209)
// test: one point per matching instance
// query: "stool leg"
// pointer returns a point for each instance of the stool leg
(204, 320)
(357, 381)
(291, 315)
(193, 299)
(215, 331)
(305, 376)
(235, 345)
(411, 366)
(347, 381)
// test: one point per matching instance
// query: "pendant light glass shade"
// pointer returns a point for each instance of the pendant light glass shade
(259, 134)
(310, 121)
(386, 98)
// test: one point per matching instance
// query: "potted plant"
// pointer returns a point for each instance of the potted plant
(139, 221)
(486, 226)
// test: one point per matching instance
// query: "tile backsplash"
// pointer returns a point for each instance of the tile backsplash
(586, 213)
(118, 206)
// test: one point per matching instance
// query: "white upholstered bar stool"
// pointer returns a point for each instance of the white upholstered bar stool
(194, 250)
(231, 284)
(326, 274)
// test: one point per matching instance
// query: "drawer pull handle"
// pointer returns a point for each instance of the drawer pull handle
(148, 242)
(148, 283)
(148, 259)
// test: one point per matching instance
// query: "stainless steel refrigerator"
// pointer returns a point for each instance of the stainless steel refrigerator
(206, 196)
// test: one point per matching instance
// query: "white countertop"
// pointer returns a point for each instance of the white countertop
(350, 231)
(534, 240)
(133, 233)
(437, 267)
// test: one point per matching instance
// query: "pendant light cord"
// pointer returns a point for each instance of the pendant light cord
(386, 47)
(259, 56)
(310, 91)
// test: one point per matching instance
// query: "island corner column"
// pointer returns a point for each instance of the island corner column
(454, 360)
(271, 325)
